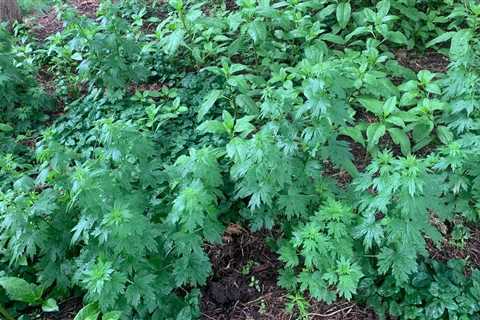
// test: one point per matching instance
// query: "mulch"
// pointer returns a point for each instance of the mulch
(244, 284)
(448, 249)
(47, 23)
(429, 60)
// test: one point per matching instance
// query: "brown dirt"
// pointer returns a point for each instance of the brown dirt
(243, 284)
(430, 60)
(47, 24)
(448, 249)
(86, 7)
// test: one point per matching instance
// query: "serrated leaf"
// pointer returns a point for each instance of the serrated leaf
(460, 43)
(444, 134)
(172, 42)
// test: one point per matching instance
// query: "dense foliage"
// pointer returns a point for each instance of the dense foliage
(292, 115)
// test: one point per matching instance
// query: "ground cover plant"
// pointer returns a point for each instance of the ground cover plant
(144, 144)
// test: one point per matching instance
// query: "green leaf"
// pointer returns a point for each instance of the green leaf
(344, 11)
(371, 231)
(20, 290)
(5, 127)
(288, 255)
(208, 103)
(401, 138)
(257, 31)
(171, 42)
(77, 56)
(374, 133)
(441, 38)
(397, 37)
(89, 312)
(371, 104)
(50, 305)
(333, 38)
(244, 126)
(396, 120)
(228, 120)
(339, 152)
(389, 106)
(358, 31)
(212, 126)
(383, 7)
(460, 43)
(402, 262)
(422, 130)
(355, 133)
(444, 134)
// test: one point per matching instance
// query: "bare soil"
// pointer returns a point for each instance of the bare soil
(243, 284)
(47, 23)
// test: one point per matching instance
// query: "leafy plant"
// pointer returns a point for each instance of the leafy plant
(286, 115)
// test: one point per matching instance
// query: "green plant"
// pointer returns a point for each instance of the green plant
(297, 302)
(20, 290)
(460, 235)
(286, 115)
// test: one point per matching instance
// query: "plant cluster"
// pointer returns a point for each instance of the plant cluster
(181, 117)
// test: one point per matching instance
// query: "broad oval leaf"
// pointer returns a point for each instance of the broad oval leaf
(344, 11)
(20, 290)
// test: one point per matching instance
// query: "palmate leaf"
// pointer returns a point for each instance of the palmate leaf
(192, 269)
(172, 42)
(401, 262)
(349, 274)
(371, 232)
(339, 153)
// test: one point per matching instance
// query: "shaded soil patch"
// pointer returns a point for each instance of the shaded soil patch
(68, 309)
(430, 60)
(243, 284)
(448, 249)
(86, 7)
(47, 24)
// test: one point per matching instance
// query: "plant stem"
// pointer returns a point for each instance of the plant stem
(5, 313)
